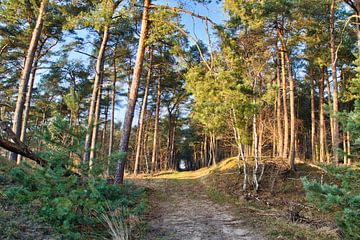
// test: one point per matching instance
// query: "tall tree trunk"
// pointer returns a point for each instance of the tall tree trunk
(348, 150)
(25, 74)
(323, 143)
(256, 157)
(129, 115)
(96, 88)
(278, 111)
(292, 114)
(27, 107)
(104, 132)
(143, 114)
(112, 118)
(329, 104)
(155, 150)
(335, 139)
(313, 144)
(95, 127)
(285, 107)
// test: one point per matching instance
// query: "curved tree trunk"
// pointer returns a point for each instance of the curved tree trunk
(25, 74)
(129, 115)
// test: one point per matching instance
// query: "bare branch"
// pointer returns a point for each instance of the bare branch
(175, 9)
(18, 146)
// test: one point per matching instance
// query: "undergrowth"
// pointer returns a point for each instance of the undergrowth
(343, 198)
(77, 206)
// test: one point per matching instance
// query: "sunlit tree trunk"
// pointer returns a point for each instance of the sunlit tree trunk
(93, 102)
(143, 115)
(112, 118)
(280, 144)
(155, 149)
(322, 126)
(330, 105)
(95, 127)
(24, 123)
(292, 114)
(129, 115)
(25, 73)
(285, 107)
(335, 139)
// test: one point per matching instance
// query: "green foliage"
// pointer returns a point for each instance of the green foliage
(343, 198)
(72, 203)
(69, 202)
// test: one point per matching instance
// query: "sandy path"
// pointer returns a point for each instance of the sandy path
(181, 210)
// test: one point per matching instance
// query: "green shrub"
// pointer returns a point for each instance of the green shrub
(70, 202)
(344, 198)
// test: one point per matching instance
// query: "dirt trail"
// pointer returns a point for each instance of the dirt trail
(181, 210)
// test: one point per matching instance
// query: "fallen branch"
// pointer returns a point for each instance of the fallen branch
(18, 146)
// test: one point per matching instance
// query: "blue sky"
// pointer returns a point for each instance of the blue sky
(193, 26)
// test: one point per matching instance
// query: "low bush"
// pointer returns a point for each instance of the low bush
(342, 198)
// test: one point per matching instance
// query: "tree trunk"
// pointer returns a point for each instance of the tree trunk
(323, 143)
(330, 104)
(95, 127)
(348, 147)
(285, 108)
(104, 132)
(112, 118)
(143, 114)
(27, 108)
(25, 74)
(335, 139)
(292, 114)
(96, 89)
(256, 158)
(278, 111)
(129, 115)
(313, 144)
(155, 149)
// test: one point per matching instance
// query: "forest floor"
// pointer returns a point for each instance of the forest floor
(209, 204)
(182, 209)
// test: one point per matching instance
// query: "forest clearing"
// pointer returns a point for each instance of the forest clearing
(178, 119)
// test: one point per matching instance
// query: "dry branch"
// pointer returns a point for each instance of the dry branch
(18, 146)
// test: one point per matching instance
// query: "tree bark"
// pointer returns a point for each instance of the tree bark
(285, 107)
(25, 74)
(96, 88)
(129, 115)
(155, 149)
(313, 143)
(292, 114)
(335, 139)
(323, 143)
(27, 107)
(112, 118)
(106, 115)
(278, 110)
(143, 114)
(18, 146)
